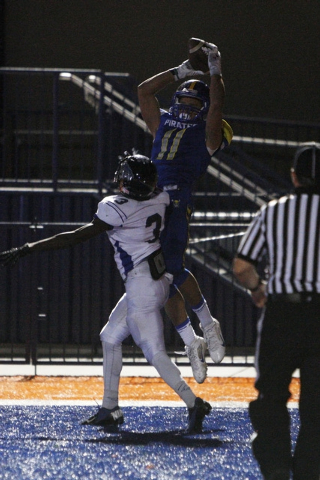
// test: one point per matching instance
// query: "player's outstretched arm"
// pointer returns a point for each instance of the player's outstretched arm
(214, 133)
(62, 240)
(148, 89)
(148, 101)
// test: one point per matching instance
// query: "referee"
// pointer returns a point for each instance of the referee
(286, 234)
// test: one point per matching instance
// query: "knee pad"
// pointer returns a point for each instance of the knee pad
(113, 335)
(103, 335)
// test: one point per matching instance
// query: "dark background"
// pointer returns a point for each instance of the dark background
(270, 49)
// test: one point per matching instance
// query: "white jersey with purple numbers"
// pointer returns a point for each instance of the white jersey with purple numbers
(136, 227)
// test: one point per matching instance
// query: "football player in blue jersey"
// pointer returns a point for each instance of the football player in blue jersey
(185, 138)
(133, 220)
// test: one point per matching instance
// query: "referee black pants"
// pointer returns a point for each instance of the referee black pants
(288, 338)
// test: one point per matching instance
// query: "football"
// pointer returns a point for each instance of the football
(198, 56)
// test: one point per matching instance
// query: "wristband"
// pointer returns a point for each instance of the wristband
(215, 70)
(214, 63)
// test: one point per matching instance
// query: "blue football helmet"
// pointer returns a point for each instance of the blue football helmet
(138, 176)
(192, 89)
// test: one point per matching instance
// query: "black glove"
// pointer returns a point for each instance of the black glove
(10, 257)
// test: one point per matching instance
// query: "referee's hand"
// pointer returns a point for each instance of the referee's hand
(259, 297)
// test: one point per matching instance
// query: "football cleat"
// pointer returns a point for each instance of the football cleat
(215, 341)
(197, 414)
(105, 418)
(196, 353)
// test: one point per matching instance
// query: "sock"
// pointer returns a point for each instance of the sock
(186, 332)
(185, 393)
(170, 373)
(203, 313)
(110, 399)
(112, 365)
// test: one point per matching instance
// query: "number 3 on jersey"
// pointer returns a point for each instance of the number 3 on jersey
(156, 218)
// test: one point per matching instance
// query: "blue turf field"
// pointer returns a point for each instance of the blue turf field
(48, 442)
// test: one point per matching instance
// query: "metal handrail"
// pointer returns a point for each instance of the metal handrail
(133, 116)
(110, 102)
(252, 196)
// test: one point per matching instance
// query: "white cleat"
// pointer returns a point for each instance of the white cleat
(196, 353)
(215, 341)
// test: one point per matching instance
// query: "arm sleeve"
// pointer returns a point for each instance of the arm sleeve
(253, 245)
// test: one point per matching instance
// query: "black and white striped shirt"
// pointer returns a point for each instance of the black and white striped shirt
(287, 231)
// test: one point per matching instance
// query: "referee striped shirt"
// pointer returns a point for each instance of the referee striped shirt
(287, 231)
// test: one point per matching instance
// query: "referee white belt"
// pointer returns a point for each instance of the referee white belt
(299, 297)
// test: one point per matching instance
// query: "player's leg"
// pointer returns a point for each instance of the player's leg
(195, 346)
(189, 288)
(112, 336)
(174, 241)
(145, 299)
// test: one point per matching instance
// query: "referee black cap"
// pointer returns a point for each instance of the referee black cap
(306, 161)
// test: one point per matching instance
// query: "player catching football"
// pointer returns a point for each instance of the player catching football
(185, 138)
(133, 220)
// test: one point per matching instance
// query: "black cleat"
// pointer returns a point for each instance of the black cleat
(197, 414)
(105, 418)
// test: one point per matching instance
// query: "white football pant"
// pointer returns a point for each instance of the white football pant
(138, 313)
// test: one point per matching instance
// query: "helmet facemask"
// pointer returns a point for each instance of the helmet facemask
(195, 89)
(185, 112)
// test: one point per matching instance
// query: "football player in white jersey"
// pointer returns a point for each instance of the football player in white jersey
(133, 220)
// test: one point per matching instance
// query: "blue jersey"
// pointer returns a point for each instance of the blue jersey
(179, 151)
(181, 156)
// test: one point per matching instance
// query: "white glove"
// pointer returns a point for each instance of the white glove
(209, 47)
(184, 70)
(214, 62)
(214, 58)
